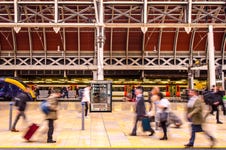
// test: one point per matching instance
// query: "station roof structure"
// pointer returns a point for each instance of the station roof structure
(139, 34)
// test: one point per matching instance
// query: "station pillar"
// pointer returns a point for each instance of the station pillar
(190, 78)
(211, 60)
(100, 41)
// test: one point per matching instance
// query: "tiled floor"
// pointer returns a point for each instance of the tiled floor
(102, 130)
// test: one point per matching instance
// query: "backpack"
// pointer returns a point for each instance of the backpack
(209, 97)
(44, 107)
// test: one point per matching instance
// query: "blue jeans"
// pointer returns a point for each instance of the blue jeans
(194, 128)
(197, 128)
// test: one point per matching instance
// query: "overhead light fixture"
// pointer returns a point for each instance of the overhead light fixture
(56, 29)
(17, 29)
(187, 29)
(144, 29)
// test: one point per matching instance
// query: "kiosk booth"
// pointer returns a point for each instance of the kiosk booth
(101, 96)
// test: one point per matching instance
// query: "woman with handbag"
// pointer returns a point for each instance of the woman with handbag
(163, 111)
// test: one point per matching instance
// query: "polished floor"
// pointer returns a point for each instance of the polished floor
(102, 130)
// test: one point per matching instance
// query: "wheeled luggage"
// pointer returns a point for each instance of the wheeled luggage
(31, 130)
(174, 119)
(146, 124)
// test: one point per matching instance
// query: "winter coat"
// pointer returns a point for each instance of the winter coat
(140, 106)
(196, 112)
(21, 100)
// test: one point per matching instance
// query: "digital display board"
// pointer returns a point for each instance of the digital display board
(101, 96)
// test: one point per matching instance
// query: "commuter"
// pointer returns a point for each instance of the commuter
(64, 92)
(76, 91)
(86, 98)
(50, 91)
(133, 93)
(37, 92)
(153, 105)
(163, 107)
(194, 115)
(21, 102)
(140, 110)
(52, 115)
(214, 99)
(217, 102)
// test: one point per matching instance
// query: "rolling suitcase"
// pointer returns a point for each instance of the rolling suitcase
(146, 124)
(31, 130)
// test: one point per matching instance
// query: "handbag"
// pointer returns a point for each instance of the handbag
(163, 116)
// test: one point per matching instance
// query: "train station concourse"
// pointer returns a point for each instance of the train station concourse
(68, 44)
(103, 129)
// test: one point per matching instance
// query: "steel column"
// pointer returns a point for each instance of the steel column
(211, 62)
(100, 42)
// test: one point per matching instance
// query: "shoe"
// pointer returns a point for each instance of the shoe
(163, 138)
(219, 122)
(188, 145)
(14, 130)
(152, 133)
(51, 141)
(213, 142)
(133, 134)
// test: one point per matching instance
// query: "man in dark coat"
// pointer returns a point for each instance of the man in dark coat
(140, 110)
(21, 103)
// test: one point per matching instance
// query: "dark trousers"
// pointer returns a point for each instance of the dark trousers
(65, 95)
(215, 108)
(51, 129)
(21, 113)
(164, 128)
(138, 118)
(194, 129)
(86, 108)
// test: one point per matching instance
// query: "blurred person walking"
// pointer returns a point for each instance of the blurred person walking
(163, 108)
(218, 101)
(52, 114)
(37, 92)
(194, 115)
(21, 102)
(214, 99)
(140, 110)
(154, 100)
(86, 98)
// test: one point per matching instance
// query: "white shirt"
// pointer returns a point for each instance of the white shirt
(86, 95)
(165, 103)
(191, 101)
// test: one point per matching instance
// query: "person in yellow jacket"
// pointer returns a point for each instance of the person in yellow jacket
(194, 115)
(52, 114)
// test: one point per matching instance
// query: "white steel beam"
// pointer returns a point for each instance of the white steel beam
(96, 11)
(211, 61)
(119, 2)
(145, 16)
(113, 25)
(100, 42)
